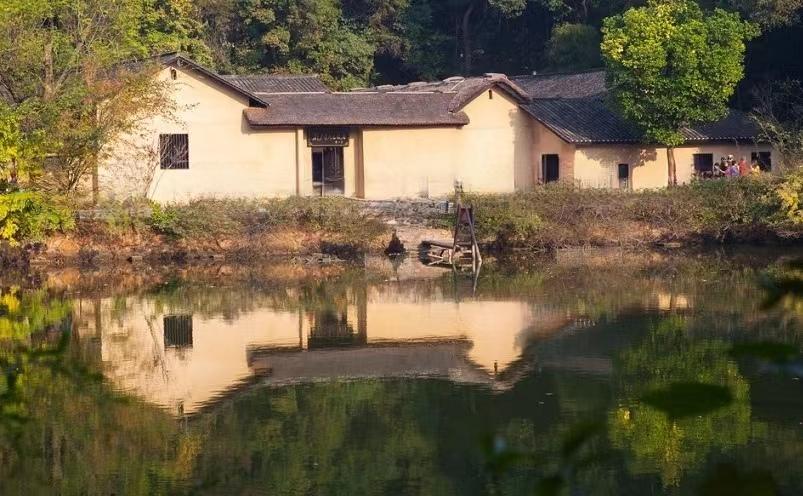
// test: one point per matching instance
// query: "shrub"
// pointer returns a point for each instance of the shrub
(29, 216)
(507, 219)
(562, 215)
(789, 192)
(214, 219)
(122, 218)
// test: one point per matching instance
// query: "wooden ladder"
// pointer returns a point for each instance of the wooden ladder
(465, 249)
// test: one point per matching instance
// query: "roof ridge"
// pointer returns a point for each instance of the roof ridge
(282, 76)
(559, 73)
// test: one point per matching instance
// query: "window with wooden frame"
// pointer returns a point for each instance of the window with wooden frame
(174, 151)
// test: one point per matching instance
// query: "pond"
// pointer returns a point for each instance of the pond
(586, 374)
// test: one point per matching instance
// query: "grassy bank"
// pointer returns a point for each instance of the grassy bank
(751, 210)
(745, 210)
(239, 229)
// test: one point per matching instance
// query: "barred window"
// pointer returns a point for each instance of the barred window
(174, 151)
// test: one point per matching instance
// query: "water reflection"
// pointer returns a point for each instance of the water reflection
(655, 376)
(168, 347)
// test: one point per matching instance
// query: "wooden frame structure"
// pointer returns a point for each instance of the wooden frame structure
(464, 251)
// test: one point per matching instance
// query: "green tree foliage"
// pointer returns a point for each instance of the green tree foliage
(574, 47)
(63, 59)
(768, 14)
(779, 116)
(174, 26)
(29, 215)
(670, 65)
(20, 145)
(296, 36)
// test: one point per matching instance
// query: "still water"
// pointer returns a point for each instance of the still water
(584, 374)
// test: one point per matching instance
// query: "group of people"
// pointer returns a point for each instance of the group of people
(729, 167)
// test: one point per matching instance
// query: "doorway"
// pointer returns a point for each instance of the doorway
(550, 168)
(623, 175)
(328, 178)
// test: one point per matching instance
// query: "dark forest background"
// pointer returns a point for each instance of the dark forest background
(360, 42)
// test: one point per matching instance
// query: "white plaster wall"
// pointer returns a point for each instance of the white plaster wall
(492, 154)
(596, 166)
(228, 159)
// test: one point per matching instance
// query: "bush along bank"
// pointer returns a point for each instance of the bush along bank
(240, 230)
(762, 210)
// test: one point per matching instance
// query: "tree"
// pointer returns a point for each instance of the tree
(467, 9)
(671, 66)
(174, 26)
(65, 59)
(768, 14)
(779, 116)
(293, 36)
(574, 47)
(20, 147)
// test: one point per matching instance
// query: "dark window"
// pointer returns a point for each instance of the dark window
(550, 168)
(763, 159)
(178, 331)
(174, 151)
(624, 176)
(703, 163)
(490, 94)
(173, 74)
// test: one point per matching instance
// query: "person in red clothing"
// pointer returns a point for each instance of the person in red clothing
(744, 167)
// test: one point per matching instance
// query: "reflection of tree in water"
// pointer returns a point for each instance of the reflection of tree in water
(681, 400)
(23, 313)
(783, 287)
(61, 430)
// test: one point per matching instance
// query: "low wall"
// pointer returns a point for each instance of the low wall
(407, 210)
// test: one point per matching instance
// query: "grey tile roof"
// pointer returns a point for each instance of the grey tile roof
(592, 121)
(461, 89)
(179, 60)
(357, 109)
(563, 85)
(263, 84)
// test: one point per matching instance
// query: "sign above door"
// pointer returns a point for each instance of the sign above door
(328, 136)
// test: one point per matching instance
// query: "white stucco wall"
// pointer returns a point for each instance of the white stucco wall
(546, 142)
(596, 166)
(492, 154)
(227, 157)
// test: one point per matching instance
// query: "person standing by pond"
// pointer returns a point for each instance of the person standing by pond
(744, 167)
(733, 169)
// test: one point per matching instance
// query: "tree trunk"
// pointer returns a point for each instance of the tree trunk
(13, 173)
(48, 87)
(95, 184)
(465, 28)
(670, 160)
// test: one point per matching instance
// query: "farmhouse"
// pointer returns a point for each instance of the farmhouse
(277, 136)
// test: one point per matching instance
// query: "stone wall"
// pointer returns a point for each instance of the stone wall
(408, 211)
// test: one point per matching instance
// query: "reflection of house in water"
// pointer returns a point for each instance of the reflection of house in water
(184, 358)
(177, 331)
